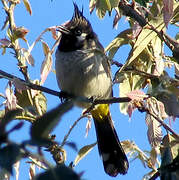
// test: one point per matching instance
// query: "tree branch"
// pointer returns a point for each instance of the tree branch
(131, 12)
(162, 123)
(63, 94)
(155, 176)
(172, 44)
(29, 84)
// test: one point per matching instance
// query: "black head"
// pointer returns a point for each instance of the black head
(77, 33)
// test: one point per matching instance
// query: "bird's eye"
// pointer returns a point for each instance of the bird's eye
(78, 32)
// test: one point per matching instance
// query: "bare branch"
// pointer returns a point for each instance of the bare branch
(29, 84)
(63, 94)
(155, 176)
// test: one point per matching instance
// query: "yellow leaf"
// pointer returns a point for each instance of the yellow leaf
(105, 5)
(46, 48)
(27, 6)
(121, 39)
(83, 152)
(143, 40)
(123, 90)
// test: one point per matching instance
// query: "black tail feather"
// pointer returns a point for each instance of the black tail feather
(110, 149)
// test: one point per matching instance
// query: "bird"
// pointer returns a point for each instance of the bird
(83, 69)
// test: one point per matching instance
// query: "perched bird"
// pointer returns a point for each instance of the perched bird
(83, 69)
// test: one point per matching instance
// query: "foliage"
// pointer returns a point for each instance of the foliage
(144, 69)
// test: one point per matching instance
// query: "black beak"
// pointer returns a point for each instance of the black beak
(63, 30)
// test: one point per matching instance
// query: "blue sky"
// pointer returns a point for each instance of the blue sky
(45, 14)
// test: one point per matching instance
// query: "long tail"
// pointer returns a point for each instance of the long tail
(109, 146)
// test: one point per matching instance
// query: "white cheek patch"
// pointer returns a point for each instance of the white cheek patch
(82, 37)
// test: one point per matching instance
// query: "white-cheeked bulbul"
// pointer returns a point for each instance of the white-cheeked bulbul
(83, 69)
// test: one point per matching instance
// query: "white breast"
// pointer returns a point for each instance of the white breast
(82, 74)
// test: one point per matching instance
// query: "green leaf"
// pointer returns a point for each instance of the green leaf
(7, 118)
(124, 89)
(83, 152)
(44, 125)
(142, 2)
(177, 36)
(60, 172)
(2, 113)
(105, 5)
(23, 98)
(169, 156)
(41, 103)
(131, 83)
(173, 143)
(143, 40)
(9, 155)
(120, 39)
(157, 49)
(170, 102)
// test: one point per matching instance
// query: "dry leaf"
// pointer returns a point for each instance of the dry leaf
(167, 11)
(46, 48)
(29, 58)
(154, 131)
(19, 85)
(20, 32)
(88, 127)
(54, 32)
(130, 109)
(11, 100)
(92, 5)
(46, 68)
(28, 6)
(153, 157)
(5, 43)
(137, 95)
(32, 171)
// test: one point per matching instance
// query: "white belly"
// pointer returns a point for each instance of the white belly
(86, 77)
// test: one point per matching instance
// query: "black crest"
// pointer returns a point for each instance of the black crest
(78, 18)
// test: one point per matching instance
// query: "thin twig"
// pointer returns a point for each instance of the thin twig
(29, 84)
(155, 176)
(37, 163)
(162, 123)
(71, 128)
(111, 100)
